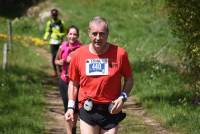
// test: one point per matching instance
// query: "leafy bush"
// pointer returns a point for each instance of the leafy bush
(15, 8)
(185, 24)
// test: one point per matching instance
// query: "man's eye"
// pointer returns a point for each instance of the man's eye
(95, 34)
(101, 34)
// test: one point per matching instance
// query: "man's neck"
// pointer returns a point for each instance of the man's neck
(98, 52)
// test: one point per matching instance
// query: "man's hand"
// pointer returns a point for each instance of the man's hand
(69, 115)
(117, 106)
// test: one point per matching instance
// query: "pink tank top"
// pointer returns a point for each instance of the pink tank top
(65, 51)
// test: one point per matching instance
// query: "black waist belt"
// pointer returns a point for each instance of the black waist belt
(101, 107)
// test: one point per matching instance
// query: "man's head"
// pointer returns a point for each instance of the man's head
(98, 20)
(98, 33)
(54, 13)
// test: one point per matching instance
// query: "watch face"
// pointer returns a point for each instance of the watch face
(124, 99)
(124, 96)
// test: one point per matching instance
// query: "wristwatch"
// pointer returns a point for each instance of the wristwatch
(123, 96)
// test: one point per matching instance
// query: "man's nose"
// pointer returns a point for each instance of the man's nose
(98, 36)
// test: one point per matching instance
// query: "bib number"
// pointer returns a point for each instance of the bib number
(96, 67)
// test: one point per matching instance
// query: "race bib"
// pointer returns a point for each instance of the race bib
(97, 67)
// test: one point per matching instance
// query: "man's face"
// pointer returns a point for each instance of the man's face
(98, 35)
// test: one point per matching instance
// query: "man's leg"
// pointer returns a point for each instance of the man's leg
(110, 131)
(68, 125)
(88, 129)
(71, 126)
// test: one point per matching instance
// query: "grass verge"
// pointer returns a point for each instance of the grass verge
(21, 92)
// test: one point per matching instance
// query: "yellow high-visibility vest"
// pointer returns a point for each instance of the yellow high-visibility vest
(54, 31)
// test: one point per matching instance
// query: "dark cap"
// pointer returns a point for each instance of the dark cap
(54, 12)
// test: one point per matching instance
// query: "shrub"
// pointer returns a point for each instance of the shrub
(185, 22)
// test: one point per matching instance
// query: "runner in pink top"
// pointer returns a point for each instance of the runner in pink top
(65, 51)
(63, 59)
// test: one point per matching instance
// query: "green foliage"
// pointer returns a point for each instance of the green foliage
(15, 8)
(185, 22)
(26, 26)
(3, 25)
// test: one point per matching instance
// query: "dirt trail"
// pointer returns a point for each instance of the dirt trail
(55, 123)
(136, 110)
(54, 113)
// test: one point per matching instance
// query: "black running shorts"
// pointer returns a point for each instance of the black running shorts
(103, 119)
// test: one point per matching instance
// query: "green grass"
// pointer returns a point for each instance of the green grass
(139, 26)
(166, 95)
(134, 125)
(22, 26)
(21, 92)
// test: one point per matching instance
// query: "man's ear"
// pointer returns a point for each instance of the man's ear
(89, 34)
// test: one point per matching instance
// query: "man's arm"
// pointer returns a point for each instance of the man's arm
(72, 90)
(128, 85)
(119, 102)
(72, 95)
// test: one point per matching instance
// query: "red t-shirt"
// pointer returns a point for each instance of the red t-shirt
(99, 88)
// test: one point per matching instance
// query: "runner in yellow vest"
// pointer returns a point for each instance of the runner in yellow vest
(54, 33)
